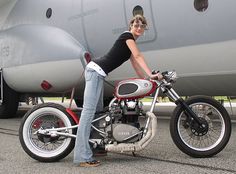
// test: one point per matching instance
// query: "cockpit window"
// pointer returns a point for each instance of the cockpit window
(138, 10)
(49, 13)
(201, 5)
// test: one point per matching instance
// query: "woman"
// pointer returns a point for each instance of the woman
(124, 49)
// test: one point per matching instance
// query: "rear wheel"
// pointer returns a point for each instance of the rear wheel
(198, 141)
(46, 148)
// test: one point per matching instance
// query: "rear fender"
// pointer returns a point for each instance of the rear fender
(73, 115)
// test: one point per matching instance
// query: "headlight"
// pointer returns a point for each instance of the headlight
(170, 76)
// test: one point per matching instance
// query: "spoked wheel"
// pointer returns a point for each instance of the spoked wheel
(42, 147)
(198, 141)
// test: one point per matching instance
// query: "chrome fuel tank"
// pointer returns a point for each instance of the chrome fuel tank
(134, 88)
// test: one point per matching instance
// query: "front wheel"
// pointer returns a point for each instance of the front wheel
(46, 148)
(197, 141)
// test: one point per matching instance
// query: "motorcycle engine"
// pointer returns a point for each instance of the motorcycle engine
(131, 110)
(125, 132)
(126, 127)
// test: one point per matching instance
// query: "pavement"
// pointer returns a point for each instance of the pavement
(160, 156)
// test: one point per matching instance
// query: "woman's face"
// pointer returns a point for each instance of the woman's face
(137, 28)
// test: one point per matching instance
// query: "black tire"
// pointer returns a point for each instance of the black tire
(10, 102)
(46, 115)
(201, 144)
(79, 103)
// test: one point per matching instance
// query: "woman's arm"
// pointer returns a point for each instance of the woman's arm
(137, 68)
(137, 56)
(139, 59)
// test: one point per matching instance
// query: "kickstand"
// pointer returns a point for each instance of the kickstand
(134, 154)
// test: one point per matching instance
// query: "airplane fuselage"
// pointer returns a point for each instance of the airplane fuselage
(47, 41)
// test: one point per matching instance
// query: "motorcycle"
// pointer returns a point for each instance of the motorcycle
(200, 126)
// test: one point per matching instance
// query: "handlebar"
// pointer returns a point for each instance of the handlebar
(169, 76)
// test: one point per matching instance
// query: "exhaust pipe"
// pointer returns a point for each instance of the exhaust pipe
(141, 144)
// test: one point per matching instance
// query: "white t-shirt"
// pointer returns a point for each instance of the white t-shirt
(97, 68)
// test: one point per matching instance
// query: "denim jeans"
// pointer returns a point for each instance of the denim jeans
(93, 101)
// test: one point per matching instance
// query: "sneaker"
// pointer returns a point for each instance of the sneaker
(93, 163)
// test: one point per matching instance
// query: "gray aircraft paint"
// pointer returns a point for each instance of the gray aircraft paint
(200, 46)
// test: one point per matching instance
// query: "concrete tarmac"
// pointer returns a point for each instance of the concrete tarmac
(160, 156)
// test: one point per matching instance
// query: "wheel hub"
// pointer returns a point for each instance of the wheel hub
(199, 130)
(47, 138)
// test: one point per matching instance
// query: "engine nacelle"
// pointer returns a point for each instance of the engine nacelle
(39, 53)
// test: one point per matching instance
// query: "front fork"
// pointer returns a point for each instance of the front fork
(188, 111)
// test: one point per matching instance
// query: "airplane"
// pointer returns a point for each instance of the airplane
(45, 45)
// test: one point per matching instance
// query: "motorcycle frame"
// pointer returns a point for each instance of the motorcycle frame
(164, 86)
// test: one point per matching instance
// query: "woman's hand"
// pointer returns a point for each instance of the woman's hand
(157, 76)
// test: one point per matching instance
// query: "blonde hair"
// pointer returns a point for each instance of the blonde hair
(137, 18)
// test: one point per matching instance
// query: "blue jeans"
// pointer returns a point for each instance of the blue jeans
(93, 101)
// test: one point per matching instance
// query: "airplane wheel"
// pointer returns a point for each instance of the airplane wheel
(10, 102)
